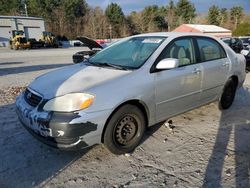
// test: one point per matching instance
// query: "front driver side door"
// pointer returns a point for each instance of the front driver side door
(178, 90)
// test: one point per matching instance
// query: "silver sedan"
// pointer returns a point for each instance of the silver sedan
(135, 83)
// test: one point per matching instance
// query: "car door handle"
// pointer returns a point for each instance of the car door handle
(196, 71)
(226, 64)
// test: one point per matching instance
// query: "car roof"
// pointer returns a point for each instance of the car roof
(171, 34)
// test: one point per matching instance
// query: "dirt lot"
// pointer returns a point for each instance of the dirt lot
(203, 148)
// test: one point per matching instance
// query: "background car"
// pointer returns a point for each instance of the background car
(246, 53)
(245, 40)
(92, 45)
(235, 43)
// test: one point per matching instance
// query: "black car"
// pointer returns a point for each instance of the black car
(248, 62)
(245, 41)
(91, 44)
(246, 53)
(235, 43)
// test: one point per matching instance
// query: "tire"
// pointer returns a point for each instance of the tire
(247, 69)
(125, 130)
(228, 94)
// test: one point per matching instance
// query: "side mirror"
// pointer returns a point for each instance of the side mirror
(245, 52)
(168, 63)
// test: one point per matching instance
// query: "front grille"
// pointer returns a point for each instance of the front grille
(31, 98)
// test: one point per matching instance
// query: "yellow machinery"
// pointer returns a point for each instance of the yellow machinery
(49, 40)
(18, 40)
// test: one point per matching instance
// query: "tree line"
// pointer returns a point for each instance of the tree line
(73, 18)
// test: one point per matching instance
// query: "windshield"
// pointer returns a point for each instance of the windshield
(131, 53)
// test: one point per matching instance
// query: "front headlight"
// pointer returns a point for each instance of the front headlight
(69, 103)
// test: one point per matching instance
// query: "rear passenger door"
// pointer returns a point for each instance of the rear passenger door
(215, 67)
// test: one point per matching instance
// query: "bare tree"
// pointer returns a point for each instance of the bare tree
(97, 25)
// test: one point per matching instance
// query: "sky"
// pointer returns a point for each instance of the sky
(202, 6)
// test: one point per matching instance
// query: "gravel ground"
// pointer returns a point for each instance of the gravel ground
(201, 148)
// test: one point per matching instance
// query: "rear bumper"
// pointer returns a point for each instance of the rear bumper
(66, 131)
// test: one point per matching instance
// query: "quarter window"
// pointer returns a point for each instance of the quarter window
(210, 49)
(181, 49)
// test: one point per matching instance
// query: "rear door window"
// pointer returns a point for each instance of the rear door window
(210, 49)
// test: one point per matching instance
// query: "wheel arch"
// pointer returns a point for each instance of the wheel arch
(138, 103)
(235, 79)
(224, 103)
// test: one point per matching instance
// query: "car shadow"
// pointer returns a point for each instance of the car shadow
(24, 69)
(232, 140)
(151, 130)
(11, 63)
(26, 162)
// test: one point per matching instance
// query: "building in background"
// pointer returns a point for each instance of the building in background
(206, 29)
(32, 27)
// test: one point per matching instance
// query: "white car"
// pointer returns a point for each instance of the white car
(125, 88)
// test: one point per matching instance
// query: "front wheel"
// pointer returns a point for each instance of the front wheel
(125, 130)
(228, 94)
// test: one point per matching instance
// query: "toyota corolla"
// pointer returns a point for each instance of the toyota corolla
(115, 95)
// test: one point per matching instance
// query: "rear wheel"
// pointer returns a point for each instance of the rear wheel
(125, 130)
(228, 94)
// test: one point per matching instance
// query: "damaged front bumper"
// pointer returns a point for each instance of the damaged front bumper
(67, 131)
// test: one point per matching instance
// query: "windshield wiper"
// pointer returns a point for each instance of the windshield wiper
(110, 65)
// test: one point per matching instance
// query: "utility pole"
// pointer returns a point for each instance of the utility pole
(110, 32)
(26, 11)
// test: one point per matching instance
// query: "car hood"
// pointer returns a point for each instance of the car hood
(73, 78)
(89, 42)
